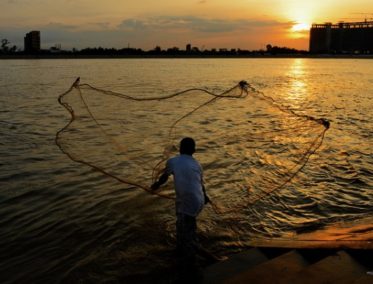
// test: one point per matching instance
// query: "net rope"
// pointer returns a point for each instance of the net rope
(265, 143)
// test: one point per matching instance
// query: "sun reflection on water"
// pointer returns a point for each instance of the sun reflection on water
(298, 86)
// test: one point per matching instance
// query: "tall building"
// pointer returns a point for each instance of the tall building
(343, 37)
(32, 41)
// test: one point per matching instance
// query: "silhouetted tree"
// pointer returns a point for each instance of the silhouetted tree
(13, 49)
(157, 49)
(5, 49)
(269, 48)
(4, 45)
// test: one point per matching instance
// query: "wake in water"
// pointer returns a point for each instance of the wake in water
(249, 145)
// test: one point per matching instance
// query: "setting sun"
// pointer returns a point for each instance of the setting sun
(299, 27)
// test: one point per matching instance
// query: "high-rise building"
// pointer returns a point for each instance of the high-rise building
(32, 41)
(343, 37)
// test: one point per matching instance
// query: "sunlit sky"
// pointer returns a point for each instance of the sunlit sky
(245, 24)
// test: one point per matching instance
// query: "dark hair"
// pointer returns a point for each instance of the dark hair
(187, 146)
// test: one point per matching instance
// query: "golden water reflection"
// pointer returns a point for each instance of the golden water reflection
(298, 88)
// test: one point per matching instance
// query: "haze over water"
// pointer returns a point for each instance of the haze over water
(62, 221)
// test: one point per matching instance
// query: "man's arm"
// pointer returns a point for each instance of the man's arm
(162, 179)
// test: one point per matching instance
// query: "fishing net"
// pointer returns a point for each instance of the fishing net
(248, 145)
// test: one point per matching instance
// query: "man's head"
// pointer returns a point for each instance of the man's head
(187, 146)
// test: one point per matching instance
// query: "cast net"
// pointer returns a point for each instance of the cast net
(248, 145)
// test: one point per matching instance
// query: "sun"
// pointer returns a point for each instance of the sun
(300, 27)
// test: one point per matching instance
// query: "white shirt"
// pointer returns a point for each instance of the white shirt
(187, 174)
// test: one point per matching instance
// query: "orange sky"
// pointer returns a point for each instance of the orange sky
(245, 24)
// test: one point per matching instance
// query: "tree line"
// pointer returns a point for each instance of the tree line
(7, 48)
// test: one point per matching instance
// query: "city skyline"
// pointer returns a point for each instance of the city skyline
(245, 24)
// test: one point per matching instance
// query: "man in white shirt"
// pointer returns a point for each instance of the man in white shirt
(190, 197)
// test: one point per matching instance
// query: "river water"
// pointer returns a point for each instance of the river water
(65, 222)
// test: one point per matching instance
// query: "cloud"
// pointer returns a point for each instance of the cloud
(60, 26)
(132, 24)
(146, 33)
(223, 26)
(196, 24)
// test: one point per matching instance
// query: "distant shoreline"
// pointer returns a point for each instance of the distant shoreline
(71, 56)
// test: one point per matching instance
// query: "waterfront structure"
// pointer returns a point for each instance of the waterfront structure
(355, 37)
(32, 41)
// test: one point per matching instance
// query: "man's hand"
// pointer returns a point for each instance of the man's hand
(155, 185)
(163, 179)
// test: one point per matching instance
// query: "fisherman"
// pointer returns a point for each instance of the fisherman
(190, 199)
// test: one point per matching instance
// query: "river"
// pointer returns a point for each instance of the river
(62, 221)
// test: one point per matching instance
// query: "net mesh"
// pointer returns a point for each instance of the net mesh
(248, 145)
